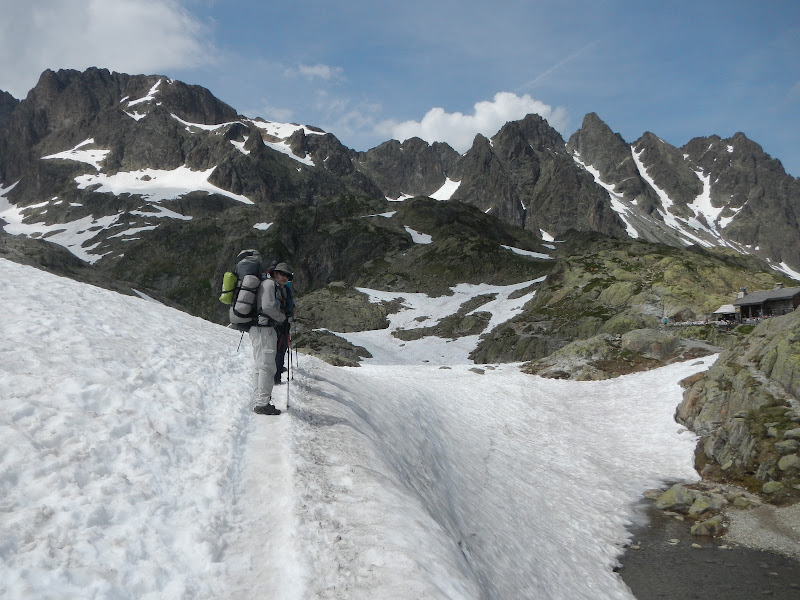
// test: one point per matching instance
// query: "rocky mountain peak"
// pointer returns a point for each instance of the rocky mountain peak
(533, 130)
(666, 167)
(597, 147)
(412, 167)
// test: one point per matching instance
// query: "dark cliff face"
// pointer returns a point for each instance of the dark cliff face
(412, 167)
(560, 195)
(669, 171)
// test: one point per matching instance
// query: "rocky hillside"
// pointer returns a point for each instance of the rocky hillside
(746, 411)
(601, 285)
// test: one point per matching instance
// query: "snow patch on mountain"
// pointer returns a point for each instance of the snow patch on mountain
(421, 310)
(401, 198)
(417, 237)
(282, 130)
(149, 97)
(687, 236)
(284, 148)
(530, 253)
(90, 157)
(157, 185)
(73, 235)
(447, 190)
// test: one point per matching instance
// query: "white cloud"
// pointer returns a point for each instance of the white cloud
(459, 130)
(318, 71)
(132, 36)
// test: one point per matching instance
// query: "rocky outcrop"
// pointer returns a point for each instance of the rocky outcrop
(705, 506)
(746, 411)
(604, 286)
(330, 347)
(606, 356)
(342, 309)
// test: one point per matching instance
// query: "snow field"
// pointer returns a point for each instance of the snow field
(452, 484)
(131, 465)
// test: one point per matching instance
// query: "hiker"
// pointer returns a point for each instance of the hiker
(283, 330)
(271, 304)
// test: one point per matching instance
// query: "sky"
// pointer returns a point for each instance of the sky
(132, 465)
(444, 70)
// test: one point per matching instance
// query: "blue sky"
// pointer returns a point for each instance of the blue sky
(368, 71)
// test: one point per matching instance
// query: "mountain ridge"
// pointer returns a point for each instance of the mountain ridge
(107, 164)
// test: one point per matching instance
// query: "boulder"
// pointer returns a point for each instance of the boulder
(704, 503)
(715, 526)
(650, 343)
(789, 463)
(772, 487)
(787, 446)
(677, 498)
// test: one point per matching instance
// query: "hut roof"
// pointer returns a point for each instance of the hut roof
(761, 297)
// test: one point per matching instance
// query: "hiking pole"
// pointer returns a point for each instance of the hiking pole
(294, 324)
(240, 342)
(289, 373)
(289, 346)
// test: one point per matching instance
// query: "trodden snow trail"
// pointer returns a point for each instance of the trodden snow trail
(261, 554)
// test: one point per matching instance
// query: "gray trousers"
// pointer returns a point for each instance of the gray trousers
(265, 342)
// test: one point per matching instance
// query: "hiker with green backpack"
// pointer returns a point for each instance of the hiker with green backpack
(258, 306)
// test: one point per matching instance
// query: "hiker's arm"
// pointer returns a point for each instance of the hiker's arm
(269, 306)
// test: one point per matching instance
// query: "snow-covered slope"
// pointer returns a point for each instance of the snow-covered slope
(132, 467)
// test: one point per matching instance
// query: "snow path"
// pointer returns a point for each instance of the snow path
(261, 554)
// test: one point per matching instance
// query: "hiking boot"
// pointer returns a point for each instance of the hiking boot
(266, 409)
(277, 381)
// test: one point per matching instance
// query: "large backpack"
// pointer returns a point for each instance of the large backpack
(248, 272)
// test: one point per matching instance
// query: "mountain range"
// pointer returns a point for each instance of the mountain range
(158, 183)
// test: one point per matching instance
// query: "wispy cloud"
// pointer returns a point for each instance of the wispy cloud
(318, 71)
(550, 70)
(134, 36)
(459, 130)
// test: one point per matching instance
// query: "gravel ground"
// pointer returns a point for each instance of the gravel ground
(666, 562)
(767, 528)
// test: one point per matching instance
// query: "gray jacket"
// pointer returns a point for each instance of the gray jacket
(268, 304)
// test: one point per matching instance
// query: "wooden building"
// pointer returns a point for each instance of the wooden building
(772, 303)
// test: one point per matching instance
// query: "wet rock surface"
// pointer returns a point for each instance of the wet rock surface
(665, 561)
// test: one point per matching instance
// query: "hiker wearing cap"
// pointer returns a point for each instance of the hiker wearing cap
(283, 276)
(271, 303)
